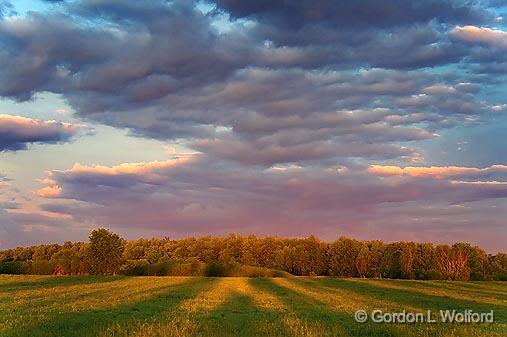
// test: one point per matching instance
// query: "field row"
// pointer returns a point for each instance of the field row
(185, 306)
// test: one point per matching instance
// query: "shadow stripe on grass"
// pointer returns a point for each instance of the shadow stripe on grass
(227, 309)
(332, 322)
(92, 322)
(427, 302)
(45, 282)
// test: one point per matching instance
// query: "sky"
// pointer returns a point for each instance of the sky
(289, 118)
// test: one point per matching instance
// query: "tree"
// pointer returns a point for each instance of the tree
(453, 262)
(376, 251)
(390, 265)
(477, 260)
(425, 266)
(105, 252)
(407, 256)
(342, 257)
(362, 260)
(498, 267)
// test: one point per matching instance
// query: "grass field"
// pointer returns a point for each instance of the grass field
(180, 306)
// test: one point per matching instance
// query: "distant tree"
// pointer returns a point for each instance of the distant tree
(477, 260)
(390, 264)
(376, 251)
(407, 257)
(453, 262)
(362, 260)
(342, 257)
(497, 267)
(105, 252)
(424, 263)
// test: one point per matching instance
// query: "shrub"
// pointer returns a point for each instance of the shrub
(41, 267)
(13, 267)
(216, 269)
(134, 268)
(252, 271)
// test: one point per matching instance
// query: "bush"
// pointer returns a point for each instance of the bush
(433, 274)
(190, 267)
(41, 267)
(166, 267)
(159, 269)
(500, 277)
(135, 268)
(13, 267)
(252, 271)
(216, 269)
(60, 267)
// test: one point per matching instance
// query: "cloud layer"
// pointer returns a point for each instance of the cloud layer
(302, 116)
(196, 195)
(278, 76)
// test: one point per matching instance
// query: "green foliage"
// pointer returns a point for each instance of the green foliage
(41, 267)
(343, 255)
(216, 269)
(12, 267)
(106, 253)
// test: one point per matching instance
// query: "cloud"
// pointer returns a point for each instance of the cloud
(303, 90)
(203, 195)
(49, 192)
(344, 13)
(17, 132)
(441, 172)
(5, 8)
(23, 228)
(290, 104)
(481, 35)
(288, 148)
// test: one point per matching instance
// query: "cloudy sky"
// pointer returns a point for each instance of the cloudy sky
(177, 118)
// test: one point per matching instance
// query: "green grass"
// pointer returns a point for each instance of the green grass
(195, 306)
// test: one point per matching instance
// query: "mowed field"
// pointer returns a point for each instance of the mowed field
(196, 306)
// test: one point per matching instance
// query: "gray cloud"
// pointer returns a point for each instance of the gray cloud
(17, 132)
(263, 83)
(355, 14)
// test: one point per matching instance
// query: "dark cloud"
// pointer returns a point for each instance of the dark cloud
(354, 14)
(17, 132)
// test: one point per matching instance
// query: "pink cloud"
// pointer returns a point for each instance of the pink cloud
(438, 172)
(200, 195)
(49, 191)
(481, 35)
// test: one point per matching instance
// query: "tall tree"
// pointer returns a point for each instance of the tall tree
(105, 252)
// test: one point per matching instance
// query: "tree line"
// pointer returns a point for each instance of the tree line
(107, 253)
